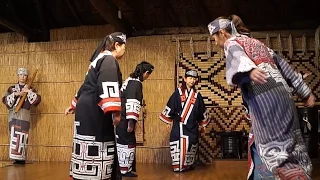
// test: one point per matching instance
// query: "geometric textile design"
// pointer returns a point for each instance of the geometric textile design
(91, 159)
(126, 155)
(223, 101)
(19, 132)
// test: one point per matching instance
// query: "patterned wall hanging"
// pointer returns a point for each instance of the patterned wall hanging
(223, 101)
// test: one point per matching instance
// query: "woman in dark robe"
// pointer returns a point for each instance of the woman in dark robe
(97, 109)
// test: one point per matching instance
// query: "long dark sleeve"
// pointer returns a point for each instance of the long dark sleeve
(202, 115)
(169, 110)
(133, 100)
(291, 77)
(108, 85)
(9, 98)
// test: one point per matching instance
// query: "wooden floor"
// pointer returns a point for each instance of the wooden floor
(220, 170)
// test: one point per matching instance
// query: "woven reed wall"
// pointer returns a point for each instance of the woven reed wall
(9, 38)
(63, 64)
(82, 32)
(62, 67)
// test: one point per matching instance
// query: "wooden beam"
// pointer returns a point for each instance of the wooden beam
(44, 27)
(137, 13)
(257, 35)
(169, 11)
(16, 28)
(204, 10)
(181, 10)
(109, 14)
(170, 31)
(74, 13)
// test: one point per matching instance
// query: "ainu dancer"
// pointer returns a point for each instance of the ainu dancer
(97, 109)
(263, 78)
(131, 102)
(186, 111)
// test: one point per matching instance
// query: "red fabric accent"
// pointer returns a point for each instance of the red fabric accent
(165, 118)
(204, 122)
(250, 142)
(111, 107)
(291, 174)
(131, 146)
(124, 168)
(183, 98)
(255, 50)
(132, 114)
(192, 101)
(74, 101)
(184, 150)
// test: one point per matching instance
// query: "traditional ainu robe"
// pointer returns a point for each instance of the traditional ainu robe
(94, 148)
(275, 123)
(19, 123)
(186, 110)
(131, 99)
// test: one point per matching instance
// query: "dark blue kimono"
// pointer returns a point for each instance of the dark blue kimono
(186, 110)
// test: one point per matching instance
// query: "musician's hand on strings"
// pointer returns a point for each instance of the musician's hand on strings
(69, 110)
(310, 101)
(16, 94)
(25, 89)
(258, 76)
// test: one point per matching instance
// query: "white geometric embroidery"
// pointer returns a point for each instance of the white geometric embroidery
(211, 28)
(126, 157)
(133, 108)
(125, 84)
(275, 74)
(273, 151)
(191, 155)
(166, 111)
(94, 62)
(175, 152)
(32, 97)
(18, 139)
(110, 89)
(10, 99)
(91, 159)
(123, 37)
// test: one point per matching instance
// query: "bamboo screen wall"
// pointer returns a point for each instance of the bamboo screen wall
(63, 63)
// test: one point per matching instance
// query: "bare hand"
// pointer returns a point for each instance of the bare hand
(17, 94)
(258, 76)
(131, 125)
(69, 110)
(202, 129)
(25, 89)
(310, 101)
(116, 118)
(306, 74)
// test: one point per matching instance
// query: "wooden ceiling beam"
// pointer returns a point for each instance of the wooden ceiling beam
(137, 13)
(169, 11)
(74, 13)
(16, 28)
(182, 12)
(45, 31)
(109, 14)
(204, 11)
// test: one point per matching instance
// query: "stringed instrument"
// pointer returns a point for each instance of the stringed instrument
(24, 96)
